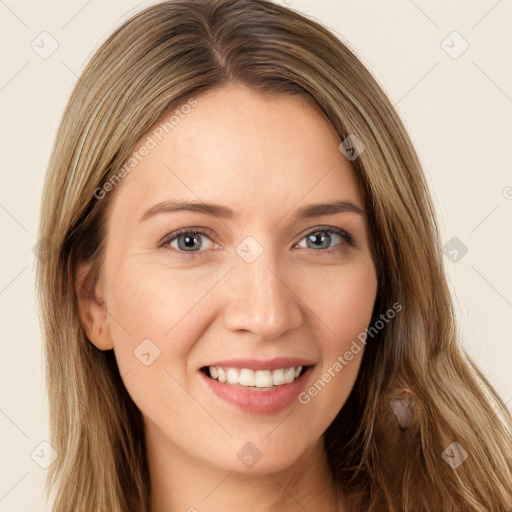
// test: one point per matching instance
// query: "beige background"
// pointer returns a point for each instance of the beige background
(458, 111)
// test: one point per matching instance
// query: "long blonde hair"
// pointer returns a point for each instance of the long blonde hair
(155, 61)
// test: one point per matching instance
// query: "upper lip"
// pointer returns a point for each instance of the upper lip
(258, 364)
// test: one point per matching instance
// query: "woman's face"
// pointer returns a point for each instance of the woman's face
(270, 283)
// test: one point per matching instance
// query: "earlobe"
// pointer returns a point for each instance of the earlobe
(91, 308)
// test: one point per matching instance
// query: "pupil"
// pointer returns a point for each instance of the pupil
(189, 241)
(317, 239)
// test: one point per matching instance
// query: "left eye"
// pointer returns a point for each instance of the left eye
(321, 239)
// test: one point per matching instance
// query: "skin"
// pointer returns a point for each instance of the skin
(264, 157)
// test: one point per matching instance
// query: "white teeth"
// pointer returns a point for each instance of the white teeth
(263, 378)
(278, 377)
(289, 375)
(247, 377)
(255, 378)
(232, 376)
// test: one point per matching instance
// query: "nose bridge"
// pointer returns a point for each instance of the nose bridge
(261, 301)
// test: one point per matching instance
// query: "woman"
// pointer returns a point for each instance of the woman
(244, 303)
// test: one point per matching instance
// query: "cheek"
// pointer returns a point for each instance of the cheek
(344, 303)
(155, 303)
(154, 323)
(352, 307)
(342, 299)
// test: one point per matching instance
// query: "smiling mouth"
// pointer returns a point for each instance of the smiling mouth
(255, 379)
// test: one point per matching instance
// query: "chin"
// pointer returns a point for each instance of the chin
(263, 453)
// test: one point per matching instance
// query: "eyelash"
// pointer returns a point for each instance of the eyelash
(171, 237)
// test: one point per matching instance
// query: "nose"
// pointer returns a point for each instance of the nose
(262, 299)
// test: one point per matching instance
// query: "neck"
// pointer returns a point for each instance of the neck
(182, 483)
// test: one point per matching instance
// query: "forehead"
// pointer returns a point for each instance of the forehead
(240, 147)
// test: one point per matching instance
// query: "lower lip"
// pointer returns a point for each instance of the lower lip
(259, 401)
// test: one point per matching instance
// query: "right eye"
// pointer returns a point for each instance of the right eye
(187, 242)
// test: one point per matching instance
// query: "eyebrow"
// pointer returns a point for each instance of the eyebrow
(217, 210)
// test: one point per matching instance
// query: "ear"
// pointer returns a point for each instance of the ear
(91, 307)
